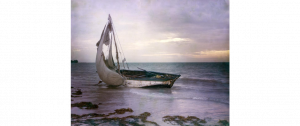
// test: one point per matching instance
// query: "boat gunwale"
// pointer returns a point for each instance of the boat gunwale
(150, 72)
(138, 79)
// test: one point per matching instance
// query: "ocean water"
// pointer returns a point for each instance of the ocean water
(201, 91)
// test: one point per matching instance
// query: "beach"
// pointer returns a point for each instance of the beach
(202, 91)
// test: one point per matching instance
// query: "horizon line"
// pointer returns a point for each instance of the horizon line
(164, 62)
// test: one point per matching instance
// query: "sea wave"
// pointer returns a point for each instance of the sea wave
(221, 100)
(213, 89)
(203, 79)
(169, 96)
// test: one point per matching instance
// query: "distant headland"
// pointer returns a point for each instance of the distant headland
(74, 61)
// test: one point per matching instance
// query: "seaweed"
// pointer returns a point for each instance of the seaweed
(78, 92)
(75, 96)
(123, 110)
(121, 121)
(86, 105)
(132, 119)
(181, 120)
(74, 116)
(126, 120)
(224, 122)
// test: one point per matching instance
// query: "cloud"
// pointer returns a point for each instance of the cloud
(175, 40)
(145, 27)
(211, 54)
(163, 54)
(207, 56)
(76, 50)
(201, 21)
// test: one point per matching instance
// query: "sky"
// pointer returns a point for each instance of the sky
(154, 30)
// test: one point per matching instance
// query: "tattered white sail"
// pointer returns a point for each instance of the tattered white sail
(106, 68)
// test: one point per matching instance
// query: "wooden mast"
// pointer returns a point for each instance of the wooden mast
(113, 31)
(117, 53)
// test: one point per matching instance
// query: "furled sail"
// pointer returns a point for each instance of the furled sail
(123, 62)
(106, 68)
(110, 61)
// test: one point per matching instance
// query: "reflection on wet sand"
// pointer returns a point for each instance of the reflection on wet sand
(151, 106)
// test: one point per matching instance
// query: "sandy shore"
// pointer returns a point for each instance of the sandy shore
(159, 106)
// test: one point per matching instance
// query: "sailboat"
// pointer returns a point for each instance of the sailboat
(111, 73)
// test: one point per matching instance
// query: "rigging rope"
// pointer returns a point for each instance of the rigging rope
(119, 43)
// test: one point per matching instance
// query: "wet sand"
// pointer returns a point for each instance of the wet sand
(188, 102)
(159, 105)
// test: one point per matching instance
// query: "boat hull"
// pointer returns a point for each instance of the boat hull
(150, 83)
